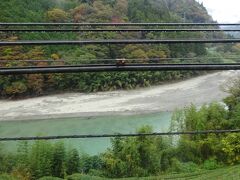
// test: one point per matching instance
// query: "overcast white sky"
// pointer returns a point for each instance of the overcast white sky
(224, 11)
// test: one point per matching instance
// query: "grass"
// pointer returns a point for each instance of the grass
(227, 173)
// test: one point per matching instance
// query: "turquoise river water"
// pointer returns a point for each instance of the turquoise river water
(89, 125)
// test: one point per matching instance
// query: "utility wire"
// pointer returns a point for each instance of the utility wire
(61, 66)
(34, 138)
(107, 42)
(114, 65)
(134, 59)
(119, 30)
(119, 24)
(116, 68)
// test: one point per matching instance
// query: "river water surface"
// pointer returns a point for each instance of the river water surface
(89, 125)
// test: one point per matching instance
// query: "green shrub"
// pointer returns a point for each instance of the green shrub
(7, 177)
(180, 167)
(189, 167)
(210, 164)
(50, 178)
(83, 177)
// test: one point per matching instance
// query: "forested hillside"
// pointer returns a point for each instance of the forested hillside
(95, 11)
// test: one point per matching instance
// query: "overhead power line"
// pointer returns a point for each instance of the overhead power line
(106, 42)
(115, 65)
(112, 68)
(119, 24)
(119, 30)
(114, 60)
(34, 138)
(61, 66)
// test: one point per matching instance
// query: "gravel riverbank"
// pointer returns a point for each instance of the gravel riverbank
(199, 90)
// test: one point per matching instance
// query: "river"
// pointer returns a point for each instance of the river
(84, 125)
(107, 112)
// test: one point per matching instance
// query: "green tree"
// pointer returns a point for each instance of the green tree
(58, 160)
(41, 159)
(90, 163)
(231, 146)
(73, 162)
(140, 156)
(57, 15)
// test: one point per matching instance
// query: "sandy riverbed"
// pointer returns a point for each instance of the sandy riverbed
(199, 90)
